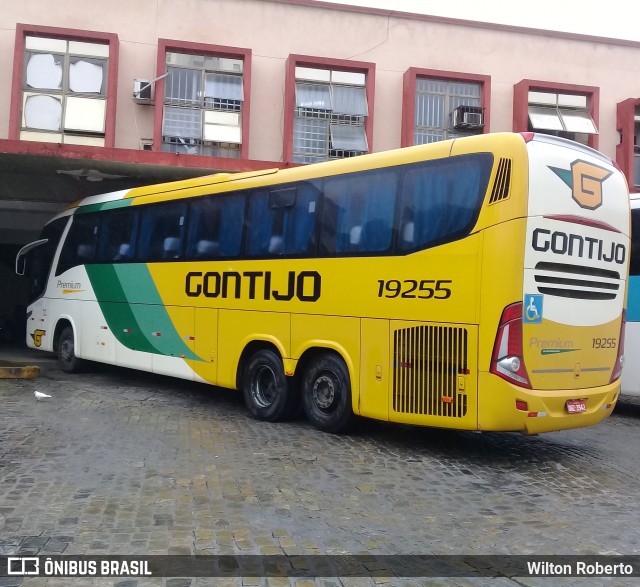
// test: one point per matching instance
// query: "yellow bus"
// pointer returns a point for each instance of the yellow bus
(477, 283)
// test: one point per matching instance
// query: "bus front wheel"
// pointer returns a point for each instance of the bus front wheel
(267, 392)
(326, 393)
(67, 359)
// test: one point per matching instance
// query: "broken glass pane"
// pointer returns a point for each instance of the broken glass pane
(44, 71)
(86, 77)
(43, 112)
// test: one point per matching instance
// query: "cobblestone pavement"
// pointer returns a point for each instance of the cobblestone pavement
(121, 462)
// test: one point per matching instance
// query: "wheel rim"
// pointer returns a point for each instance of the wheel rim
(264, 387)
(326, 392)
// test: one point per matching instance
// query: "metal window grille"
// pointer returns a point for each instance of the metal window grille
(321, 106)
(197, 84)
(435, 102)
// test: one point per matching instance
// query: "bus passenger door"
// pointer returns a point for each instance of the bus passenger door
(206, 344)
(374, 369)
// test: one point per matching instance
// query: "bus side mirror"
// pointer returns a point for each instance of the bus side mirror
(21, 264)
(21, 257)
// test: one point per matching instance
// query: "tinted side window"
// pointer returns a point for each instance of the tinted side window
(80, 245)
(118, 236)
(358, 212)
(634, 268)
(40, 259)
(282, 220)
(215, 227)
(162, 232)
(441, 199)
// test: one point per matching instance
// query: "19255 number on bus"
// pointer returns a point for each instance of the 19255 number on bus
(412, 288)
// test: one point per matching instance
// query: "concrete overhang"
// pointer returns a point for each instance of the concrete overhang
(37, 180)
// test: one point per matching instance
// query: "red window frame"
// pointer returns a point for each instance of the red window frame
(169, 45)
(24, 30)
(409, 80)
(625, 124)
(521, 102)
(293, 61)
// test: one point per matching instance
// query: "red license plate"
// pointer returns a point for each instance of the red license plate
(576, 406)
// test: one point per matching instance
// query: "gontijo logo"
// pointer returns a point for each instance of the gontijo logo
(585, 180)
(37, 336)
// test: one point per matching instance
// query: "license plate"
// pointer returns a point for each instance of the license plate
(576, 406)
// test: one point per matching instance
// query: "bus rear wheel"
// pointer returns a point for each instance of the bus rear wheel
(326, 393)
(67, 359)
(267, 392)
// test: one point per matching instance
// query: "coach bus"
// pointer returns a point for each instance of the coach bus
(477, 284)
(630, 382)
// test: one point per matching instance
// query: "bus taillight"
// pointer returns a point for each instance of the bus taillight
(507, 360)
(617, 367)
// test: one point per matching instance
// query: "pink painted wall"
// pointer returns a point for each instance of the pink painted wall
(272, 30)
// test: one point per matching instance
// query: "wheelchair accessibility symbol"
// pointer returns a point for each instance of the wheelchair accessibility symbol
(532, 309)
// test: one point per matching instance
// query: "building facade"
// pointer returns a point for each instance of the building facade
(97, 98)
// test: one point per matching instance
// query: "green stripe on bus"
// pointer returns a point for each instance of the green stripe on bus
(133, 324)
(123, 203)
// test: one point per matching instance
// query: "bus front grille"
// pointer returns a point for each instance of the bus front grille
(577, 281)
(428, 360)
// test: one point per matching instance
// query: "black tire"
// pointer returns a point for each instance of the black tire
(268, 393)
(326, 393)
(67, 359)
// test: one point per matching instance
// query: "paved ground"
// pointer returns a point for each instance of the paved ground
(121, 462)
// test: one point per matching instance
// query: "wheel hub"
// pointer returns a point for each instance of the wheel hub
(324, 392)
(264, 387)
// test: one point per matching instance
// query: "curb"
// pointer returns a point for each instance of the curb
(17, 371)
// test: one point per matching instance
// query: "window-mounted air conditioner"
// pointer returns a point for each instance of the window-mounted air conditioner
(468, 118)
(142, 91)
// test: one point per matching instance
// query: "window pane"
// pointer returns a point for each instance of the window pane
(215, 227)
(85, 114)
(348, 137)
(80, 245)
(573, 100)
(440, 199)
(358, 212)
(348, 77)
(543, 98)
(636, 170)
(44, 44)
(578, 121)
(315, 96)
(90, 49)
(312, 74)
(182, 122)
(185, 60)
(182, 86)
(223, 134)
(162, 232)
(349, 100)
(423, 137)
(544, 118)
(430, 110)
(86, 76)
(44, 71)
(282, 220)
(223, 86)
(311, 136)
(43, 112)
(223, 64)
(118, 236)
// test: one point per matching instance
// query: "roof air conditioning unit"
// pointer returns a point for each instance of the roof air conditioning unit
(468, 118)
(142, 91)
